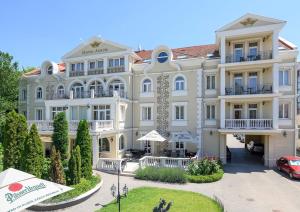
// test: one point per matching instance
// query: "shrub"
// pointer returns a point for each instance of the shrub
(170, 175)
(57, 174)
(205, 178)
(60, 136)
(203, 167)
(46, 169)
(74, 172)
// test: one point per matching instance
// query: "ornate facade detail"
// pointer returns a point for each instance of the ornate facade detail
(163, 104)
(49, 91)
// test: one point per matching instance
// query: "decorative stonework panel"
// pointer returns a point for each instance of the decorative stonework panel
(163, 104)
(49, 91)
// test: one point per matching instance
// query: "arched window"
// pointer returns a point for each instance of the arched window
(104, 145)
(146, 86)
(60, 91)
(39, 93)
(179, 83)
(50, 70)
(97, 87)
(117, 85)
(121, 142)
(78, 90)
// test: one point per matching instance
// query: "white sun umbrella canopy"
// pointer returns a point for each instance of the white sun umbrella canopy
(20, 190)
(152, 136)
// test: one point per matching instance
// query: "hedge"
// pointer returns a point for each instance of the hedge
(205, 178)
(170, 175)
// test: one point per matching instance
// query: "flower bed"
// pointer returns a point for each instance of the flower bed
(205, 178)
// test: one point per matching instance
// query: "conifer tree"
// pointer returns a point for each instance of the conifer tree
(60, 136)
(75, 166)
(57, 174)
(78, 163)
(33, 154)
(84, 141)
(22, 133)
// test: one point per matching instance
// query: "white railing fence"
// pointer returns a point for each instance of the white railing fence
(164, 162)
(249, 123)
(110, 164)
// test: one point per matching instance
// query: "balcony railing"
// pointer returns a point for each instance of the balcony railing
(95, 71)
(88, 94)
(115, 69)
(248, 123)
(262, 89)
(164, 162)
(94, 125)
(76, 73)
(262, 55)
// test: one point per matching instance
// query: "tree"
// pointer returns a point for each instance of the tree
(22, 133)
(57, 174)
(75, 166)
(9, 86)
(84, 141)
(10, 147)
(33, 154)
(60, 135)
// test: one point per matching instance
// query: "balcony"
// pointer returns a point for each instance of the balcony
(95, 71)
(117, 69)
(76, 73)
(262, 89)
(262, 55)
(89, 94)
(249, 124)
(94, 125)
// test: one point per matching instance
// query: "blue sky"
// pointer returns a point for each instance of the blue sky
(34, 30)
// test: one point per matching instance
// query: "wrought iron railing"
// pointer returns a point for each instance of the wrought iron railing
(262, 55)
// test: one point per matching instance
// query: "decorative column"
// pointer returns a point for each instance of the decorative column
(275, 44)
(222, 113)
(89, 112)
(223, 52)
(275, 77)
(47, 112)
(275, 112)
(85, 68)
(68, 68)
(105, 65)
(95, 151)
(126, 63)
(222, 81)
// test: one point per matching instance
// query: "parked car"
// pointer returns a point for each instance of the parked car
(228, 154)
(255, 147)
(290, 165)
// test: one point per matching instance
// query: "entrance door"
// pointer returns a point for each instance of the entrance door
(252, 83)
(238, 84)
(237, 114)
(238, 52)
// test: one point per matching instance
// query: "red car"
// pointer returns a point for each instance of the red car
(290, 165)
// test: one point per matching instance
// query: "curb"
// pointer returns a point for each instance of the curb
(67, 203)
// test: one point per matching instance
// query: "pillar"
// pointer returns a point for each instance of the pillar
(222, 81)
(223, 52)
(275, 77)
(275, 105)
(85, 68)
(105, 65)
(223, 148)
(275, 44)
(222, 113)
(95, 151)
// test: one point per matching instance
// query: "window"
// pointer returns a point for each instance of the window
(179, 83)
(104, 145)
(147, 86)
(116, 62)
(78, 112)
(92, 65)
(210, 82)
(97, 87)
(50, 70)
(77, 67)
(252, 82)
(56, 110)
(284, 78)
(252, 111)
(117, 85)
(24, 113)
(179, 145)
(38, 114)
(284, 111)
(162, 57)
(39, 93)
(77, 89)
(121, 142)
(100, 64)
(23, 95)
(101, 112)
(179, 112)
(210, 112)
(253, 49)
(238, 52)
(146, 114)
(60, 91)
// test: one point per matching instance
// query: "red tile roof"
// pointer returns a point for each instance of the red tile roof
(189, 52)
(37, 71)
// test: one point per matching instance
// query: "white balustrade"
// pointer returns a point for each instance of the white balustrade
(164, 162)
(248, 123)
(109, 164)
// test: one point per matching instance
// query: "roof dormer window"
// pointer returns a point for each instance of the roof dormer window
(162, 57)
(50, 70)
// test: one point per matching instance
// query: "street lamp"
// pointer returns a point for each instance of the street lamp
(113, 189)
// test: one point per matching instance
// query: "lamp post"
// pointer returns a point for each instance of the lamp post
(113, 189)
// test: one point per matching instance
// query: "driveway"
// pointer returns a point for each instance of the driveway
(243, 188)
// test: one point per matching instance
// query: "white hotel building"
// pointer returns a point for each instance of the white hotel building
(194, 96)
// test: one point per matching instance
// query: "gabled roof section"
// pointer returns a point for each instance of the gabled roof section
(97, 44)
(249, 20)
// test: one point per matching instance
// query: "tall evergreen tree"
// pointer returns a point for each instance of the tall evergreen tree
(60, 136)
(22, 133)
(75, 166)
(57, 174)
(11, 151)
(33, 154)
(84, 141)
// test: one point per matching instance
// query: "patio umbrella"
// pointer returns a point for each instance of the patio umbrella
(20, 190)
(152, 136)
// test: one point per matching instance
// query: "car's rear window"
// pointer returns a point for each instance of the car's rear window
(295, 162)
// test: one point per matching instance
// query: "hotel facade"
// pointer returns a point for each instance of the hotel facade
(195, 96)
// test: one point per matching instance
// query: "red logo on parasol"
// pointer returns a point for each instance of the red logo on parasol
(14, 187)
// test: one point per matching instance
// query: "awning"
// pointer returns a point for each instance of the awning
(20, 190)
(152, 136)
(182, 136)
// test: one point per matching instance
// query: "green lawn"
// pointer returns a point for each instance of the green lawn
(146, 198)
